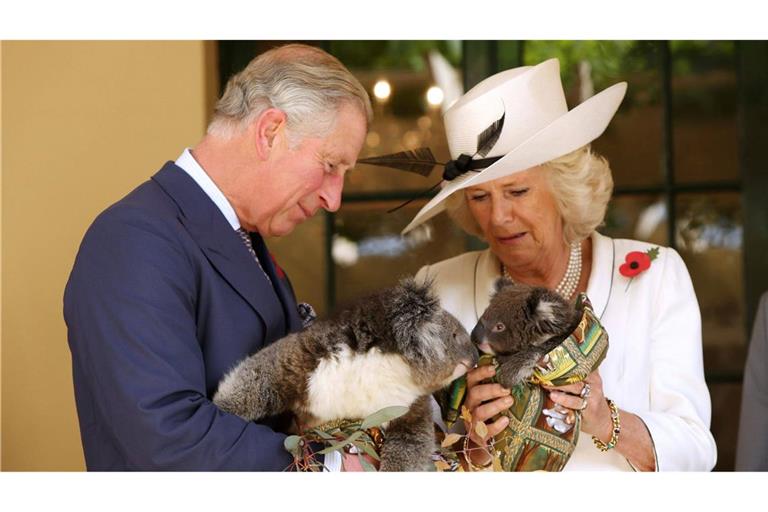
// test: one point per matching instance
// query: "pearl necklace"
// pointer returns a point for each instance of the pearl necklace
(572, 273)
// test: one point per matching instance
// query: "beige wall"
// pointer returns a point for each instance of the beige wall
(82, 124)
(1, 252)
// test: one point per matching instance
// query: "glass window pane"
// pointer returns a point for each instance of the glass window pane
(632, 143)
(704, 107)
(709, 232)
(302, 257)
(636, 216)
(369, 252)
(409, 83)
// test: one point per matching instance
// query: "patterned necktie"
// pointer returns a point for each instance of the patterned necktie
(249, 244)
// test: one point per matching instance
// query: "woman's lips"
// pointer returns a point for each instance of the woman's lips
(512, 239)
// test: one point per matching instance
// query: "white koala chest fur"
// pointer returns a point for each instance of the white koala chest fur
(351, 385)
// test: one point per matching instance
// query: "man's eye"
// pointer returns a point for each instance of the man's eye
(498, 327)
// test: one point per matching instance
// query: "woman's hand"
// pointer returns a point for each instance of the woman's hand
(485, 401)
(586, 396)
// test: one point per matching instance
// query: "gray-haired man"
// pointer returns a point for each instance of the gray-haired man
(173, 284)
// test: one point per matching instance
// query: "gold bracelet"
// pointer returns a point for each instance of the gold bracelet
(604, 447)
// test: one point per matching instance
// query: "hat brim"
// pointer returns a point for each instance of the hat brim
(569, 132)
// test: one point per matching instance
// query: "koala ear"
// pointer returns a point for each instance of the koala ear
(532, 302)
(411, 305)
(502, 283)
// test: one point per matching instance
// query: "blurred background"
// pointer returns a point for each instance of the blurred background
(84, 122)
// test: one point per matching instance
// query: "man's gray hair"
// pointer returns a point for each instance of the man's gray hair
(304, 82)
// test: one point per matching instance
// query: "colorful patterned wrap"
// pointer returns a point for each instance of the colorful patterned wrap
(529, 443)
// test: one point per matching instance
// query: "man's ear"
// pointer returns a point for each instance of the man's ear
(269, 126)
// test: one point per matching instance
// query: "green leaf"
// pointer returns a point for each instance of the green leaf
(323, 434)
(291, 444)
(365, 464)
(382, 416)
(367, 448)
(653, 253)
(341, 444)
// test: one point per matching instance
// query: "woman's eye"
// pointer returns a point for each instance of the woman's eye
(498, 327)
(518, 192)
(478, 197)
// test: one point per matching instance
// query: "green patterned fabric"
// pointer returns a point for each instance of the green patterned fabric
(528, 443)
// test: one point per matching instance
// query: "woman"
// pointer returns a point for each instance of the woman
(536, 194)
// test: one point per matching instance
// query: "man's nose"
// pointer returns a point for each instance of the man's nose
(330, 192)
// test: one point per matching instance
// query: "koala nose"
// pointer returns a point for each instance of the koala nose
(478, 333)
(475, 355)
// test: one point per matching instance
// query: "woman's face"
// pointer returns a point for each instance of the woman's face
(518, 216)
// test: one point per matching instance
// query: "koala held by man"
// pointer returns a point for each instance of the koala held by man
(394, 347)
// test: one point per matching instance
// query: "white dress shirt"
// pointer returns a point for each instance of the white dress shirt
(187, 162)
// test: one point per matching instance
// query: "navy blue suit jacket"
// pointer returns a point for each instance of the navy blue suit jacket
(163, 299)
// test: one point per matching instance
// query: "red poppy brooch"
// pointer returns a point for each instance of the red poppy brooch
(636, 262)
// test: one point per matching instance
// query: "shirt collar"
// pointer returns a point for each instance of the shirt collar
(188, 163)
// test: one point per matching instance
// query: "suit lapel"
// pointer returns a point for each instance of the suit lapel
(223, 247)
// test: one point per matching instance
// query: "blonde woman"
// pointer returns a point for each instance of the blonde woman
(536, 195)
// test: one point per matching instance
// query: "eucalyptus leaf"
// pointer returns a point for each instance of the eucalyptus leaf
(367, 448)
(365, 464)
(341, 444)
(481, 429)
(450, 439)
(291, 444)
(382, 416)
(323, 434)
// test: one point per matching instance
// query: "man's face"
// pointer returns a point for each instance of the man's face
(309, 176)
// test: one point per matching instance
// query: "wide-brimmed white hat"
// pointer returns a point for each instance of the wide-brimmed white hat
(537, 125)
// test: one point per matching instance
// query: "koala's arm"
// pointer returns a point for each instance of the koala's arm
(514, 369)
(410, 440)
(253, 389)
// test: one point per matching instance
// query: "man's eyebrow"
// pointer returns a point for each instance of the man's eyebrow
(342, 160)
(335, 158)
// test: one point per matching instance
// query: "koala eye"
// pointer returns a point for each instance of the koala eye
(498, 327)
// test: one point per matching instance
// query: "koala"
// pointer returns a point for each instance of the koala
(394, 347)
(520, 326)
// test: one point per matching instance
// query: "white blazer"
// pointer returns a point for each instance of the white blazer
(654, 365)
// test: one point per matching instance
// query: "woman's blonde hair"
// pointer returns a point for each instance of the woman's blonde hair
(581, 184)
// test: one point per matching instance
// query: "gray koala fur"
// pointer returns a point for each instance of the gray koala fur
(521, 325)
(394, 347)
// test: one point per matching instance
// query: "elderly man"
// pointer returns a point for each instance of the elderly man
(173, 284)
